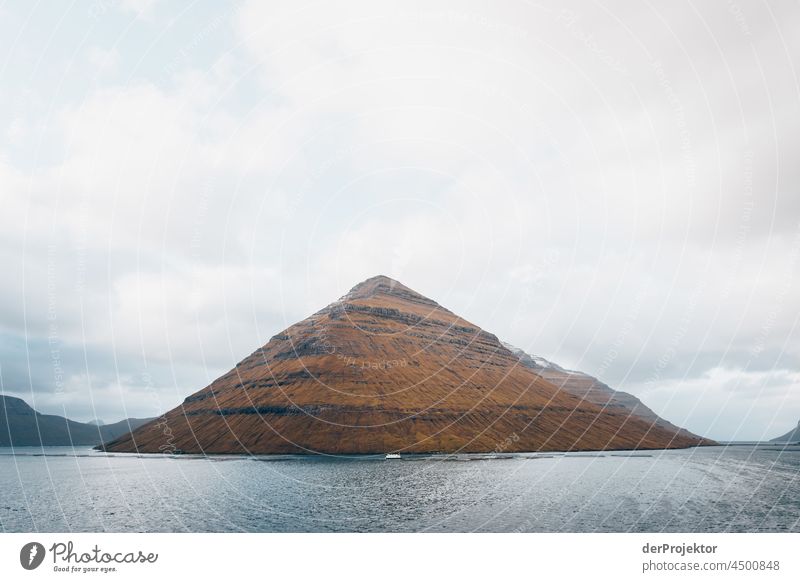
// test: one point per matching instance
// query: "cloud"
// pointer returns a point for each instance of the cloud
(143, 9)
(761, 402)
(611, 187)
(103, 60)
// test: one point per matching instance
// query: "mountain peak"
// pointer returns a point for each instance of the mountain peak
(12, 404)
(375, 285)
(387, 287)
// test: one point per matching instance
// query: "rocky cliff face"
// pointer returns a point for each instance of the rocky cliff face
(387, 369)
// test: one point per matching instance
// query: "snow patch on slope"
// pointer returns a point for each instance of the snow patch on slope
(532, 360)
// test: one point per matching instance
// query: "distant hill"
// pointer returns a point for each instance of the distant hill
(792, 436)
(21, 426)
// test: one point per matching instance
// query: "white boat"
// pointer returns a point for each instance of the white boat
(392, 456)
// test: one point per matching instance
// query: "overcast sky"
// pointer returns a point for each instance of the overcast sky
(614, 186)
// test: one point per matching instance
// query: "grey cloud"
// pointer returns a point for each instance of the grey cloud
(582, 180)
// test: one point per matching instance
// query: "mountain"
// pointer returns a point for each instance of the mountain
(21, 425)
(792, 436)
(387, 369)
(593, 390)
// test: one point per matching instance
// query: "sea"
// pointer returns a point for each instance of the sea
(733, 488)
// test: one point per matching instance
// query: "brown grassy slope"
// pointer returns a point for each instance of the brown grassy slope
(386, 369)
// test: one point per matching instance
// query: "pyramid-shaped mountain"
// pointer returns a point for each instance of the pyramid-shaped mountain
(385, 369)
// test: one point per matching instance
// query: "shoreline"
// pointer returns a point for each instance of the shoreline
(28, 450)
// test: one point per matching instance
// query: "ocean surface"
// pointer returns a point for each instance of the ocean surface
(712, 489)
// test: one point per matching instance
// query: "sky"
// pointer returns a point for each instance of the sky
(611, 185)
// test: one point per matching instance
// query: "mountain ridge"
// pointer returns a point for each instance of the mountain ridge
(792, 436)
(21, 425)
(590, 388)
